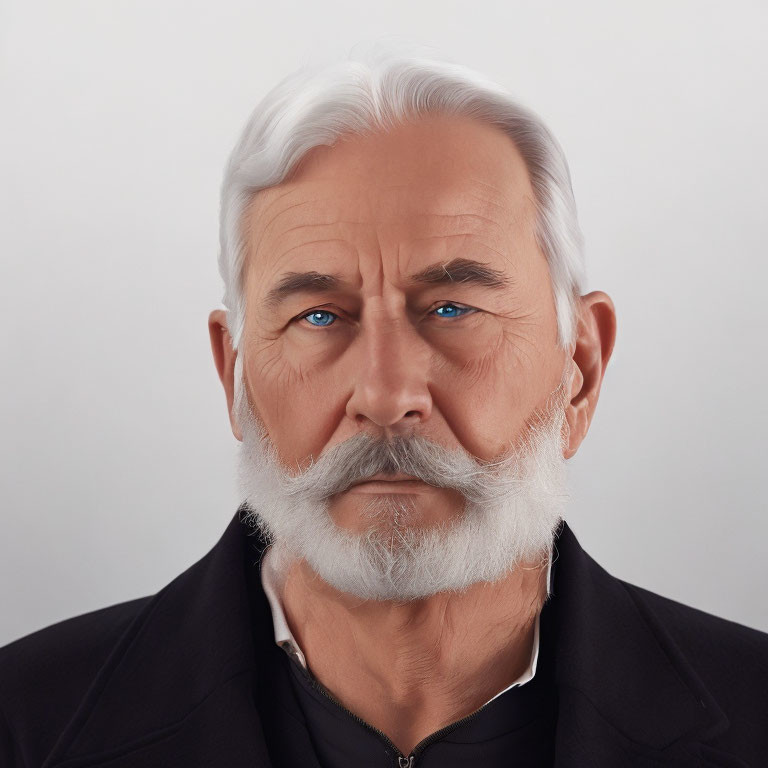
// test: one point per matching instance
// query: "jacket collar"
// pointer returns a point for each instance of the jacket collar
(626, 691)
(187, 651)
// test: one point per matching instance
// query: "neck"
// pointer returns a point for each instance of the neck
(411, 668)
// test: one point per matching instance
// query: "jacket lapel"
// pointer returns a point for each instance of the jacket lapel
(178, 688)
(627, 695)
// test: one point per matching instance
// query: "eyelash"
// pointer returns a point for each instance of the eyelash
(468, 311)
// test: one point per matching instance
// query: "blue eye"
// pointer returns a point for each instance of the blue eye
(451, 311)
(320, 318)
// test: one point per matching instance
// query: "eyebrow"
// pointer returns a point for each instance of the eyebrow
(460, 270)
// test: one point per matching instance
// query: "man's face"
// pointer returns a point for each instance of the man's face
(462, 363)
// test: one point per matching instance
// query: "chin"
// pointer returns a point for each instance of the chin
(368, 513)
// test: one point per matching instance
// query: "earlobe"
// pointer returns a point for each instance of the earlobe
(224, 357)
(595, 338)
(571, 425)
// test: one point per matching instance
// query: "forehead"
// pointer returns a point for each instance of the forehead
(420, 183)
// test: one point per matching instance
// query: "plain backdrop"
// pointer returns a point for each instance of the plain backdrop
(118, 464)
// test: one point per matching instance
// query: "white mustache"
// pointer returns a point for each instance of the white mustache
(363, 456)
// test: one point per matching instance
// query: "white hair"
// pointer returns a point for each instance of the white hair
(376, 91)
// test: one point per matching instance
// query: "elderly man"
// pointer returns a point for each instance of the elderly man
(408, 362)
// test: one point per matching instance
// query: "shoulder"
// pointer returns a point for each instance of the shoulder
(703, 635)
(44, 676)
(731, 659)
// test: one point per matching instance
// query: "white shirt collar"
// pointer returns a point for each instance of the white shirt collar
(284, 637)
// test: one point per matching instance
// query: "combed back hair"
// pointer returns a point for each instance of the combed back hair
(376, 91)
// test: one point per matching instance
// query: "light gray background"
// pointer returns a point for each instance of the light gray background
(118, 466)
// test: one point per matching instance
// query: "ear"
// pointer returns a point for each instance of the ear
(224, 357)
(595, 337)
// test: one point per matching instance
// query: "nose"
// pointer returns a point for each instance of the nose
(391, 384)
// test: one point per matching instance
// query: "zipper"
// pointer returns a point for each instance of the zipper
(437, 735)
(403, 761)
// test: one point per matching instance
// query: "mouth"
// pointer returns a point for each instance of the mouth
(385, 480)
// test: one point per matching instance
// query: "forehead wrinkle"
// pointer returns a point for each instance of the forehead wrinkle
(514, 215)
(270, 224)
(400, 194)
(500, 254)
(257, 229)
(263, 232)
(455, 219)
(454, 193)
(498, 190)
(488, 202)
(259, 210)
(318, 224)
(513, 209)
(399, 200)
(283, 254)
(460, 218)
(319, 191)
(294, 243)
(272, 196)
(473, 226)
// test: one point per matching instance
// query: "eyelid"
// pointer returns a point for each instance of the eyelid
(446, 303)
(471, 310)
(321, 308)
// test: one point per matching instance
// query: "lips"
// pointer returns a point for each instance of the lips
(382, 477)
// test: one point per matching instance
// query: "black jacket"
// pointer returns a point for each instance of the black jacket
(167, 681)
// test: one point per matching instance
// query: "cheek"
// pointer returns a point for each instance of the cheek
(488, 394)
(299, 404)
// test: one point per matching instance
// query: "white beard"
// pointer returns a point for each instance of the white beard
(512, 507)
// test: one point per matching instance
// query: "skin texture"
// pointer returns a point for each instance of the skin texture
(375, 210)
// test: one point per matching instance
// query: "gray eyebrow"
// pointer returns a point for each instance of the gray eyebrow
(458, 270)
(300, 282)
(461, 271)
